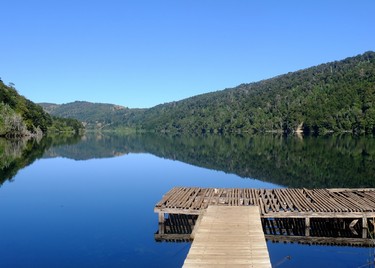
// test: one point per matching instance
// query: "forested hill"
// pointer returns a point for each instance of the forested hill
(22, 117)
(336, 96)
(94, 115)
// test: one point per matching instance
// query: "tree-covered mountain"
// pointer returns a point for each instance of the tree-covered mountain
(337, 96)
(332, 97)
(93, 115)
(22, 117)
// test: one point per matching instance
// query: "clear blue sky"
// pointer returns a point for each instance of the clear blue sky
(142, 53)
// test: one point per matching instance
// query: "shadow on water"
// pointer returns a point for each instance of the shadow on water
(311, 162)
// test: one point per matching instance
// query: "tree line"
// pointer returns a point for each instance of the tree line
(332, 97)
(22, 117)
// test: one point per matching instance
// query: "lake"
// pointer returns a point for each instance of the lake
(88, 201)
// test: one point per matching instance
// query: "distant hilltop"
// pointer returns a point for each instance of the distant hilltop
(93, 115)
(333, 97)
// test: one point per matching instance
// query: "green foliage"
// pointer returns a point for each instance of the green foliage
(94, 115)
(332, 97)
(11, 123)
(337, 96)
(31, 115)
(21, 117)
(65, 125)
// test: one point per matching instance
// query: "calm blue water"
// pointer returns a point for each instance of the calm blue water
(59, 212)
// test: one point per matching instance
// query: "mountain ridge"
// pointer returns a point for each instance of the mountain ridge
(330, 97)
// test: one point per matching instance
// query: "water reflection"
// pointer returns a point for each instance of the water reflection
(92, 145)
(311, 162)
(16, 154)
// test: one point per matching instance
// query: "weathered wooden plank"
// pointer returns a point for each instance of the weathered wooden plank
(370, 200)
(173, 199)
(303, 201)
(256, 196)
(369, 195)
(271, 201)
(167, 196)
(199, 201)
(293, 200)
(264, 200)
(261, 204)
(362, 202)
(324, 207)
(192, 198)
(327, 198)
(342, 199)
(190, 193)
(282, 201)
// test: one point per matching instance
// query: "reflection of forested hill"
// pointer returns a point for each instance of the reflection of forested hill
(312, 162)
(337, 161)
(91, 146)
(19, 153)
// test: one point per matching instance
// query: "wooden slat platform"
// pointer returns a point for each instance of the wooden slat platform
(228, 236)
(282, 203)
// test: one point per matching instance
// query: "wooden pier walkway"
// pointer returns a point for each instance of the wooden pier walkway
(228, 236)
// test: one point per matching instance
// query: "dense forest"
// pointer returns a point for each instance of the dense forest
(332, 97)
(94, 115)
(21, 117)
(337, 96)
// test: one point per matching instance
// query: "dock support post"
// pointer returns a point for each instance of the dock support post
(307, 226)
(161, 217)
(364, 227)
(161, 222)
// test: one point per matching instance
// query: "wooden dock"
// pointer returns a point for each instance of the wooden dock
(229, 236)
(275, 203)
(355, 206)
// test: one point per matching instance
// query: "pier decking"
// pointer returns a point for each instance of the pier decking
(274, 203)
(306, 207)
(229, 237)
